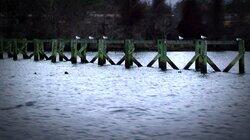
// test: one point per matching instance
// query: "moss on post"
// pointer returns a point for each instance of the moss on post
(1, 48)
(101, 52)
(129, 50)
(162, 50)
(241, 45)
(15, 49)
(54, 50)
(36, 50)
(73, 51)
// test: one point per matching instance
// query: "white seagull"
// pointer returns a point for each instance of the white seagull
(203, 37)
(91, 38)
(238, 39)
(77, 37)
(104, 37)
(181, 38)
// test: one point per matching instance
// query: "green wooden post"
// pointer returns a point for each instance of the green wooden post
(9, 48)
(15, 49)
(24, 44)
(241, 44)
(101, 52)
(73, 51)
(1, 48)
(162, 50)
(41, 49)
(61, 49)
(198, 61)
(54, 50)
(36, 50)
(204, 57)
(129, 50)
(83, 52)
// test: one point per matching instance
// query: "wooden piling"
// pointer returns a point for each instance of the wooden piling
(9, 48)
(162, 50)
(15, 49)
(129, 50)
(54, 50)
(73, 51)
(101, 52)
(203, 57)
(82, 52)
(36, 50)
(23, 46)
(41, 50)
(61, 49)
(1, 48)
(241, 45)
(198, 61)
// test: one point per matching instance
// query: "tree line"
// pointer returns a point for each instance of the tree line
(216, 19)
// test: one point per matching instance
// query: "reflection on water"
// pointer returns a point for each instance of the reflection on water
(39, 101)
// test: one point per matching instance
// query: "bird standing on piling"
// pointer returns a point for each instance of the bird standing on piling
(203, 37)
(91, 37)
(180, 38)
(104, 37)
(77, 37)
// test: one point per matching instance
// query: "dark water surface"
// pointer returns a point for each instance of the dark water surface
(38, 101)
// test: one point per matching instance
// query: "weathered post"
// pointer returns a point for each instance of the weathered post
(241, 44)
(1, 48)
(203, 57)
(15, 49)
(61, 49)
(54, 50)
(83, 51)
(129, 50)
(198, 61)
(41, 49)
(162, 49)
(9, 48)
(36, 50)
(73, 51)
(24, 44)
(101, 52)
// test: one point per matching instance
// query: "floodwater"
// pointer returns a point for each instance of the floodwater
(39, 101)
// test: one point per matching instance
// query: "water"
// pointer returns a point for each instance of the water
(39, 101)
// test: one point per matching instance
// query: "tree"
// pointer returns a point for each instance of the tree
(190, 26)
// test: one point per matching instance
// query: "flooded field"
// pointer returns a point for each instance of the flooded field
(39, 101)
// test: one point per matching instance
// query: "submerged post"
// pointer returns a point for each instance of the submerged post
(129, 50)
(241, 44)
(15, 50)
(101, 52)
(73, 51)
(1, 48)
(162, 50)
(83, 51)
(54, 50)
(9, 48)
(41, 50)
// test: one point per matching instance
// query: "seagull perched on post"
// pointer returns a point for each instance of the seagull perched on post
(203, 37)
(238, 39)
(91, 38)
(180, 38)
(77, 37)
(104, 37)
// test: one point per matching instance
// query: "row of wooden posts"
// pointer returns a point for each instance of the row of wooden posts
(13, 47)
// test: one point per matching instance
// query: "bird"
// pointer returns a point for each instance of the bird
(77, 37)
(238, 39)
(104, 37)
(91, 38)
(203, 37)
(181, 38)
